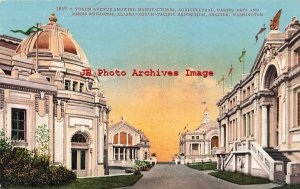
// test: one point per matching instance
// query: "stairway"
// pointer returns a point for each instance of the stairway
(278, 156)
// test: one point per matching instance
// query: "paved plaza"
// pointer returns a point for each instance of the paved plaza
(169, 176)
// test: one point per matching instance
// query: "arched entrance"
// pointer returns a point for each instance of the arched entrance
(270, 111)
(214, 144)
(80, 146)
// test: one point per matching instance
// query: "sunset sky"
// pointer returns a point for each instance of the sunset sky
(160, 106)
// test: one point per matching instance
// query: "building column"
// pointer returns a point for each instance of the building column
(246, 127)
(127, 154)
(199, 149)
(222, 137)
(124, 154)
(264, 136)
(207, 148)
(113, 153)
(283, 121)
(226, 137)
(119, 150)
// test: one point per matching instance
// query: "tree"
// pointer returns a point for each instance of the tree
(42, 137)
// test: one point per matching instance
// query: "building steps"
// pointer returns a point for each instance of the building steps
(278, 156)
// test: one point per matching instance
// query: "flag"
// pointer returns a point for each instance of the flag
(230, 70)
(221, 80)
(242, 55)
(274, 23)
(178, 133)
(262, 29)
(32, 29)
(203, 102)
(184, 128)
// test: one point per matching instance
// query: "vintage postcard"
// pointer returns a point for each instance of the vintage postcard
(149, 94)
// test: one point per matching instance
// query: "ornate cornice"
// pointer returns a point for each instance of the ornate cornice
(25, 89)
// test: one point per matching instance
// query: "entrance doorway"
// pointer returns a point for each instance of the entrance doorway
(273, 109)
(79, 154)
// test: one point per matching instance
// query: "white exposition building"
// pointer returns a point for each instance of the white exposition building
(201, 144)
(259, 119)
(126, 144)
(51, 91)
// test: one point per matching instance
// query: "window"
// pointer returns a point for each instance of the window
(116, 139)
(81, 87)
(195, 146)
(197, 137)
(7, 72)
(298, 108)
(48, 79)
(78, 138)
(82, 163)
(193, 137)
(74, 159)
(74, 87)
(18, 125)
(129, 139)
(123, 139)
(67, 85)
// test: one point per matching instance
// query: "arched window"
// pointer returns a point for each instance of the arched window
(123, 139)
(214, 142)
(270, 76)
(129, 139)
(116, 138)
(79, 138)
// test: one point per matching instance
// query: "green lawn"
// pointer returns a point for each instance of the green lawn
(98, 182)
(239, 178)
(203, 166)
(288, 187)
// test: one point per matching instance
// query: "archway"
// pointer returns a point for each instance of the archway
(79, 148)
(272, 109)
(214, 144)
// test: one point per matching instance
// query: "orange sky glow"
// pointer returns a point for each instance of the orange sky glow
(162, 107)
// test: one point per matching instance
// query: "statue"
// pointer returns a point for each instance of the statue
(274, 23)
(294, 24)
(52, 18)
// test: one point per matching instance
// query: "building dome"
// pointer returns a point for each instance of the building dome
(53, 42)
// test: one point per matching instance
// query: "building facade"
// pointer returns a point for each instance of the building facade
(126, 144)
(41, 84)
(259, 118)
(201, 144)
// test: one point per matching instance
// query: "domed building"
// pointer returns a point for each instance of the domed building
(199, 145)
(41, 85)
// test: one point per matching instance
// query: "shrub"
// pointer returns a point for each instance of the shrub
(129, 170)
(61, 176)
(142, 165)
(137, 172)
(19, 166)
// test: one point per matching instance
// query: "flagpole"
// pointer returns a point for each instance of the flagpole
(231, 79)
(37, 49)
(243, 66)
(223, 84)
(264, 32)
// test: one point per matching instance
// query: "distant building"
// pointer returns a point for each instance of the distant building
(126, 144)
(259, 119)
(200, 144)
(51, 91)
